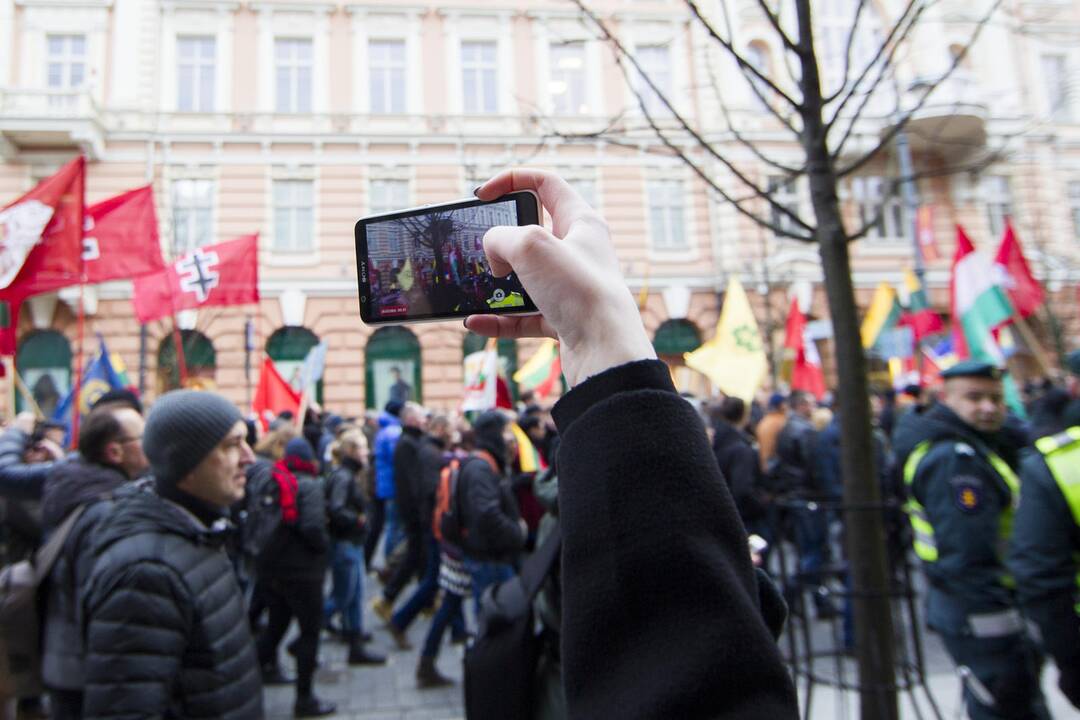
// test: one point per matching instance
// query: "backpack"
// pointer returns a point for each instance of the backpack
(501, 661)
(262, 515)
(21, 612)
(447, 522)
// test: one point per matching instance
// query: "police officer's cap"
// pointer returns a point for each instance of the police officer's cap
(1072, 362)
(973, 369)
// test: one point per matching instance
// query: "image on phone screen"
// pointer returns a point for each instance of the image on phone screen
(430, 263)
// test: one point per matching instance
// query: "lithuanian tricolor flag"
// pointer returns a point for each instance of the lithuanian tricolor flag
(528, 456)
(884, 315)
(542, 371)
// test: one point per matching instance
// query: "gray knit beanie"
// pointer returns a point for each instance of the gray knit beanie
(182, 428)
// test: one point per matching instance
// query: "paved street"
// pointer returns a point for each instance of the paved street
(389, 692)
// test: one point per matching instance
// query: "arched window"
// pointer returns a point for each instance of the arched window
(507, 351)
(287, 347)
(44, 362)
(392, 367)
(675, 337)
(200, 360)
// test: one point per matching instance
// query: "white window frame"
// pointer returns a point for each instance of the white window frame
(787, 194)
(301, 100)
(403, 201)
(372, 25)
(480, 26)
(575, 80)
(1059, 100)
(671, 34)
(41, 19)
(997, 197)
(1072, 195)
(664, 82)
(68, 60)
(388, 70)
(549, 29)
(296, 221)
(296, 22)
(183, 21)
(676, 188)
(198, 63)
(868, 196)
(577, 177)
(833, 19)
(210, 206)
(481, 67)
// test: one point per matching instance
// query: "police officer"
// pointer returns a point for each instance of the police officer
(960, 474)
(1045, 557)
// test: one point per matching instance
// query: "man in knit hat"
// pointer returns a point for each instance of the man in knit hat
(166, 630)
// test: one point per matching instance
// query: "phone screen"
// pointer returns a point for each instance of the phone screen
(429, 263)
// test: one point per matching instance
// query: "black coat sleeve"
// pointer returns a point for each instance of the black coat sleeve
(18, 480)
(137, 628)
(492, 530)
(343, 517)
(656, 568)
(312, 510)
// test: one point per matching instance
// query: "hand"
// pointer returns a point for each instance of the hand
(52, 448)
(571, 273)
(25, 421)
(524, 527)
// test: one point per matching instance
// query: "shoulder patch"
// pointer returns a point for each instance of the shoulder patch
(962, 448)
(968, 496)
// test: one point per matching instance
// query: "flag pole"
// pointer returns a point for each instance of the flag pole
(178, 343)
(76, 411)
(20, 385)
(1032, 342)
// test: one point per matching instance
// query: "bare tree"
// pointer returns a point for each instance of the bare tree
(824, 126)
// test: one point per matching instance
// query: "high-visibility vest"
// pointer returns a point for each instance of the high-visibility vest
(924, 542)
(1062, 455)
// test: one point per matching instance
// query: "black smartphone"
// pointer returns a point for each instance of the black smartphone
(428, 263)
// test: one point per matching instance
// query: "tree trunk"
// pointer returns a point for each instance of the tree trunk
(863, 517)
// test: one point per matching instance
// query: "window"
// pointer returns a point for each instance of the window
(200, 361)
(288, 347)
(195, 74)
(833, 21)
(655, 62)
(44, 362)
(1056, 76)
(998, 199)
(1074, 206)
(757, 54)
(293, 216)
(387, 67)
(869, 196)
(784, 193)
(293, 59)
(586, 188)
(66, 68)
(389, 195)
(666, 215)
(478, 76)
(567, 85)
(193, 203)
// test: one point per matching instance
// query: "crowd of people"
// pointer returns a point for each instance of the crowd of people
(191, 541)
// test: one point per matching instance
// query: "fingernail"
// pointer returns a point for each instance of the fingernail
(476, 190)
(465, 323)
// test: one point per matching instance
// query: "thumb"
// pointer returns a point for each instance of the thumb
(518, 249)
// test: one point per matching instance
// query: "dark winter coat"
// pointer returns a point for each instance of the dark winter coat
(490, 513)
(408, 493)
(301, 550)
(167, 632)
(432, 461)
(69, 485)
(345, 503)
(19, 480)
(655, 565)
(740, 464)
(796, 451)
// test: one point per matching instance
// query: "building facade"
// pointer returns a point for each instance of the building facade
(293, 119)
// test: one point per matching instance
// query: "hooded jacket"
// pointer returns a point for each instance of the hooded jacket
(385, 442)
(71, 484)
(489, 509)
(966, 578)
(166, 629)
(741, 466)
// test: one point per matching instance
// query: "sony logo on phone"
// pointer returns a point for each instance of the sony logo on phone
(363, 271)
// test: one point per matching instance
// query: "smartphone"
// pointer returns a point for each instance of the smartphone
(428, 263)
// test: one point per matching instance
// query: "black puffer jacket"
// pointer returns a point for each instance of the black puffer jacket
(301, 550)
(167, 633)
(18, 480)
(345, 502)
(69, 485)
(490, 512)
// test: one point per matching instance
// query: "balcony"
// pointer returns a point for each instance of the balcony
(49, 120)
(952, 121)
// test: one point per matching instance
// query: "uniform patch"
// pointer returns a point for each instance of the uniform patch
(969, 497)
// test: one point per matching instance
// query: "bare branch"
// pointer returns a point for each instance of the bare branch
(847, 52)
(621, 57)
(888, 137)
(775, 22)
(744, 65)
(885, 45)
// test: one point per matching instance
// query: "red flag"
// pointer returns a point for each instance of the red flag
(1024, 290)
(963, 248)
(273, 394)
(806, 374)
(41, 242)
(121, 237)
(222, 274)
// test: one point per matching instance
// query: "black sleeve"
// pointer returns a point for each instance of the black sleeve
(743, 473)
(642, 591)
(18, 480)
(1042, 561)
(493, 530)
(407, 478)
(137, 628)
(343, 518)
(312, 510)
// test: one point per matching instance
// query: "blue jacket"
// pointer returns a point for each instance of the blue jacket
(385, 442)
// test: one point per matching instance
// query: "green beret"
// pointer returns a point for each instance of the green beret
(973, 368)
(1072, 362)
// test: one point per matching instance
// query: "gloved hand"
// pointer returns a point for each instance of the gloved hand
(1069, 682)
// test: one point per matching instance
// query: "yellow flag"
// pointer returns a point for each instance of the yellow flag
(405, 276)
(734, 359)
